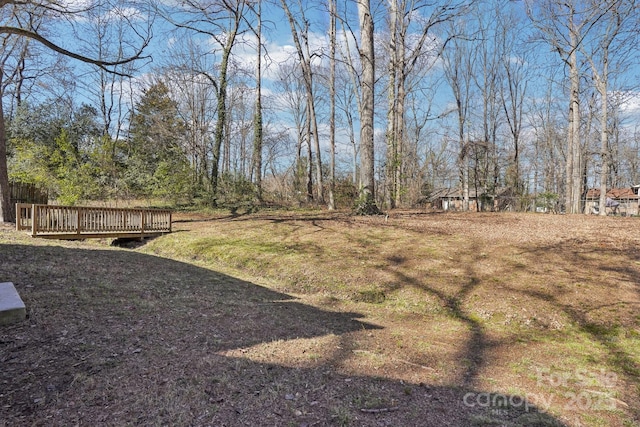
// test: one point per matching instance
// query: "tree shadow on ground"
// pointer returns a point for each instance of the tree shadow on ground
(115, 337)
(457, 302)
(474, 350)
(603, 324)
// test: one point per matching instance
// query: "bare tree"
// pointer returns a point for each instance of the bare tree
(294, 99)
(367, 112)
(347, 102)
(104, 34)
(487, 48)
(548, 142)
(458, 70)
(17, 55)
(394, 117)
(300, 35)
(22, 29)
(332, 101)
(613, 41)
(197, 103)
(240, 144)
(350, 93)
(221, 21)
(513, 95)
(258, 125)
(405, 49)
(564, 25)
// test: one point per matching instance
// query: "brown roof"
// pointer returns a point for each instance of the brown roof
(614, 193)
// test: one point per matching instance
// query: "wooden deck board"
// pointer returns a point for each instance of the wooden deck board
(100, 235)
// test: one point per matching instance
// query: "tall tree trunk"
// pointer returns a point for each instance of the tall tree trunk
(602, 84)
(332, 103)
(464, 173)
(219, 133)
(367, 59)
(573, 149)
(307, 73)
(257, 125)
(400, 126)
(604, 144)
(354, 147)
(318, 159)
(463, 157)
(310, 159)
(6, 211)
(348, 58)
(392, 97)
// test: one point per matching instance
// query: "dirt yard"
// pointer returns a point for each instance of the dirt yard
(326, 319)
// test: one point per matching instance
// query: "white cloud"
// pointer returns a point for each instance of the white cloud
(77, 5)
(629, 101)
(101, 12)
(129, 13)
(275, 53)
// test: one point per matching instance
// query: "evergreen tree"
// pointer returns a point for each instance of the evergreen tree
(156, 163)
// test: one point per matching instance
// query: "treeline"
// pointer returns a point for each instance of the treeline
(64, 150)
(390, 100)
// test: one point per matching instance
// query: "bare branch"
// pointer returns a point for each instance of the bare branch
(105, 65)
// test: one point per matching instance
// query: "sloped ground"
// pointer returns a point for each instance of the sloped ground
(316, 318)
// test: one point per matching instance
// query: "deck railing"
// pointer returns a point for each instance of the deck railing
(69, 222)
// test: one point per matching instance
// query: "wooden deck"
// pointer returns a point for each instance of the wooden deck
(81, 222)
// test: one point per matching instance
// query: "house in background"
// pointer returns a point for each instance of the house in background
(450, 199)
(626, 199)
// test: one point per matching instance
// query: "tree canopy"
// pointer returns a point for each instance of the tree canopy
(407, 100)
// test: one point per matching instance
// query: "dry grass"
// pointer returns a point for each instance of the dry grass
(318, 318)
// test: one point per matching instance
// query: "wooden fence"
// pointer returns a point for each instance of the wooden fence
(26, 193)
(80, 222)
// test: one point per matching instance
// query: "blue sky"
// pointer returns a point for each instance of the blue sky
(279, 48)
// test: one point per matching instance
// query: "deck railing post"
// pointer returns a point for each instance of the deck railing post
(23, 214)
(142, 223)
(78, 219)
(34, 220)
